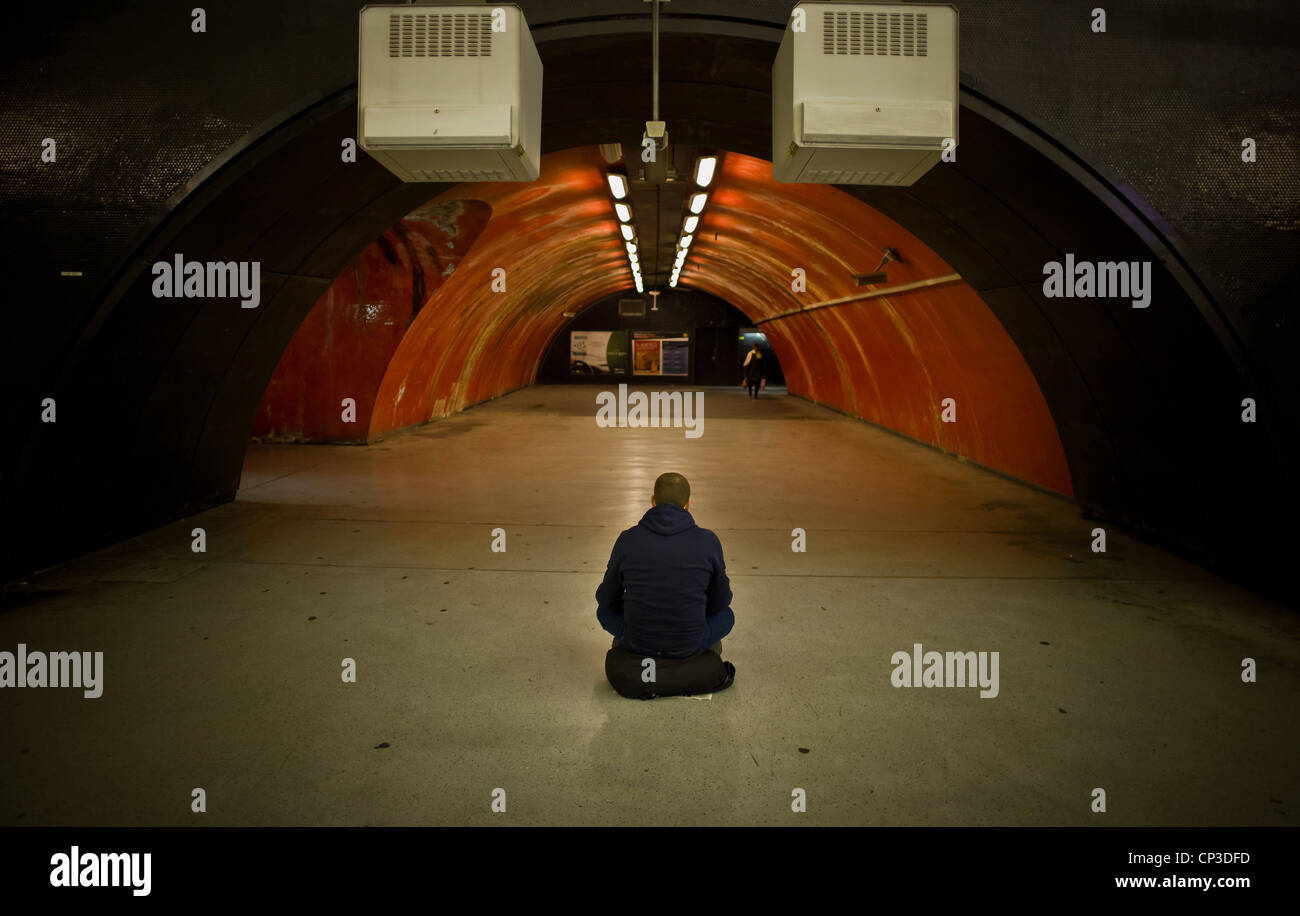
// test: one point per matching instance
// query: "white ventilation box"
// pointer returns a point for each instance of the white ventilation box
(867, 93)
(450, 92)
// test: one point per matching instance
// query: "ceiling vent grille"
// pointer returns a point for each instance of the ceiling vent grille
(875, 34)
(459, 175)
(440, 35)
(843, 176)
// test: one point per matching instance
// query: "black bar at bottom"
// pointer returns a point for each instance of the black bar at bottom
(374, 864)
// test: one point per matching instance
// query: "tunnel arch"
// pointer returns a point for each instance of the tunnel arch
(188, 382)
(907, 361)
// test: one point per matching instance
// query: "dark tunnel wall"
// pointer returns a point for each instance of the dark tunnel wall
(164, 147)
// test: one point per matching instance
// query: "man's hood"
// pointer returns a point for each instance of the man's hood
(667, 519)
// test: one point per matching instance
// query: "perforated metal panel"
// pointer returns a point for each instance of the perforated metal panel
(462, 175)
(876, 34)
(1163, 100)
(829, 176)
(440, 35)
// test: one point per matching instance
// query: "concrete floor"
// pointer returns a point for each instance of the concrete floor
(479, 670)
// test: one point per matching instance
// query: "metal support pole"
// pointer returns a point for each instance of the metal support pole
(655, 20)
(945, 280)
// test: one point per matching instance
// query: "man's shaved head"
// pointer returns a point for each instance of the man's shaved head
(672, 488)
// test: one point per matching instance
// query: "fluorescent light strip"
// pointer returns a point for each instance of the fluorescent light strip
(689, 227)
(618, 187)
(697, 201)
(704, 167)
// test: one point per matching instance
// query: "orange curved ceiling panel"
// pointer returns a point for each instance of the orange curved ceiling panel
(347, 341)
(892, 360)
(555, 246)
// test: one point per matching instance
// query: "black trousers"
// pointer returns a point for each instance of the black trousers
(716, 647)
(752, 386)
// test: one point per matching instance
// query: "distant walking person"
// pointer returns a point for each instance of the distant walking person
(754, 374)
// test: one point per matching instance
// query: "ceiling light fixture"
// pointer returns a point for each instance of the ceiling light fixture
(704, 167)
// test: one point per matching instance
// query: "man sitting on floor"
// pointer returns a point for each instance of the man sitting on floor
(666, 597)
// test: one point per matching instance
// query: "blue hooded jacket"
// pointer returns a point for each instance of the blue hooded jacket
(666, 591)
